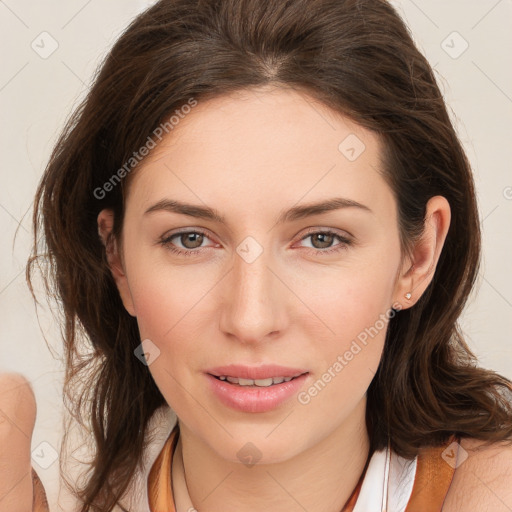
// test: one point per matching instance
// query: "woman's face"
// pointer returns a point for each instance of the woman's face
(258, 283)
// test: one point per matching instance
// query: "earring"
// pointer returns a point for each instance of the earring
(408, 295)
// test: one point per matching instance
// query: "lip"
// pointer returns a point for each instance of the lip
(255, 399)
(255, 372)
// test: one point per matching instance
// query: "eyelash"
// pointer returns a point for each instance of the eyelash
(344, 243)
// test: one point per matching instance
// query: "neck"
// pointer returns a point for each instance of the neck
(318, 479)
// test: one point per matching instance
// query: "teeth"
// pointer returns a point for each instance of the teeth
(256, 382)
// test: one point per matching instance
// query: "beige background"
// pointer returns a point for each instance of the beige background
(37, 94)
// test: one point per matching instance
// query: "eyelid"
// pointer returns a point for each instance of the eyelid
(179, 231)
(200, 231)
(339, 232)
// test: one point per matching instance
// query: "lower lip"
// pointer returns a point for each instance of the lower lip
(255, 399)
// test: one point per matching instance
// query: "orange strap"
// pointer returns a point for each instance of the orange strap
(433, 478)
(159, 480)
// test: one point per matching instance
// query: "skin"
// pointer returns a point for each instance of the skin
(17, 419)
(292, 305)
(251, 156)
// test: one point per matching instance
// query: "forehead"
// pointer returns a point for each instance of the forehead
(263, 146)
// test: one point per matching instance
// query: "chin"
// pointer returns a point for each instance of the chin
(252, 445)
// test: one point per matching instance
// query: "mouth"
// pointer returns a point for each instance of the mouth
(255, 375)
(256, 389)
(256, 383)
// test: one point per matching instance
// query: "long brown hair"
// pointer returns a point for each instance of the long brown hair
(358, 58)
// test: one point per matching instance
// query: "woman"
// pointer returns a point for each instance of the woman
(261, 216)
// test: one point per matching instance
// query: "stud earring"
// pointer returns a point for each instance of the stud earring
(408, 295)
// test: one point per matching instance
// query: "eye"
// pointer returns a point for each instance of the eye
(186, 243)
(321, 241)
(189, 243)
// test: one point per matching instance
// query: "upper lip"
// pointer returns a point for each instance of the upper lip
(255, 372)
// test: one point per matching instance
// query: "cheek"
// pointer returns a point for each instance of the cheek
(354, 311)
(345, 360)
(356, 320)
(167, 307)
(351, 300)
(175, 309)
(165, 297)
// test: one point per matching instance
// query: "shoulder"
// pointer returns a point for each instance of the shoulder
(483, 477)
(17, 414)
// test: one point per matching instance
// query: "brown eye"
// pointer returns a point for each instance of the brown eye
(186, 243)
(191, 240)
(324, 240)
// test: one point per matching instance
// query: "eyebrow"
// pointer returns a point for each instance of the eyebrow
(294, 213)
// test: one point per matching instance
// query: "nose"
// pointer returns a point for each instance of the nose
(253, 302)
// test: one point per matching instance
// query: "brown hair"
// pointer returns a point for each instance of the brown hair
(358, 58)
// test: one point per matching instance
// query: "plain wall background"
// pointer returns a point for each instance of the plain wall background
(37, 94)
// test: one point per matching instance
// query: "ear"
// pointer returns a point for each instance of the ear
(115, 263)
(419, 266)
